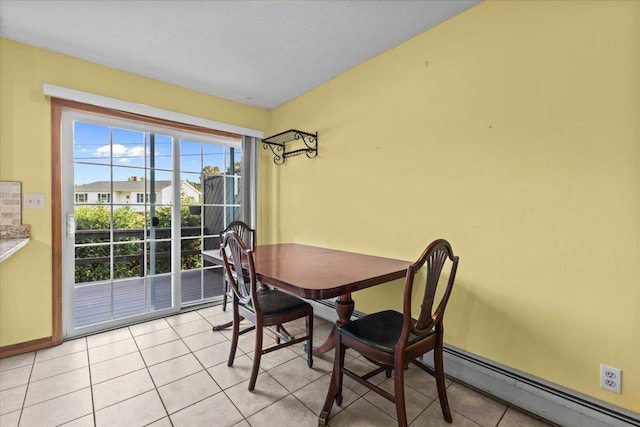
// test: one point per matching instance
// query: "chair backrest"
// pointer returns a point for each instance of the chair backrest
(237, 256)
(246, 233)
(436, 256)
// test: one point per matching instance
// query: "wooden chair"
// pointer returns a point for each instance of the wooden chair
(392, 340)
(269, 307)
(248, 235)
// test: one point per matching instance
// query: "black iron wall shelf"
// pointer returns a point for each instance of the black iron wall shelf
(278, 145)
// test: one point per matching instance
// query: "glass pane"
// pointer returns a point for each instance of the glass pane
(128, 298)
(234, 213)
(191, 188)
(159, 293)
(190, 218)
(128, 224)
(128, 260)
(162, 152)
(92, 218)
(191, 285)
(92, 263)
(92, 303)
(190, 157)
(213, 220)
(158, 257)
(212, 282)
(233, 196)
(190, 256)
(159, 222)
(213, 190)
(213, 160)
(190, 194)
(128, 147)
(188, 230)
(92, 183)
(131, 178)
(129, 187)
(159, 187)
(91, 143)
(211, 243)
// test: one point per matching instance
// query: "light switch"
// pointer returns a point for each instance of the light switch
(33, 201)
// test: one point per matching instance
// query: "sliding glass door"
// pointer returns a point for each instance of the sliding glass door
(214, 172)
(140, 202)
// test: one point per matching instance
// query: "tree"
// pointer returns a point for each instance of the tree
(208, 171)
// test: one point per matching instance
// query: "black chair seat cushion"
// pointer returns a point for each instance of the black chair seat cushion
(274, 302)
(379, 330)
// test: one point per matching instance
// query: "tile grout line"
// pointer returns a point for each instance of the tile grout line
(503, 415)
(24, 399)
(155, 387)
(93, 405)
(198, 360)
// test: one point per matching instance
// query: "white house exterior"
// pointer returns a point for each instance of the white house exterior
(131, 193)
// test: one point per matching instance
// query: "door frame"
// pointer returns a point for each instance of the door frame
(58, 225)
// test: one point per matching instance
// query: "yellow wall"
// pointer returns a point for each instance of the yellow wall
(511, 130)
(25, 155)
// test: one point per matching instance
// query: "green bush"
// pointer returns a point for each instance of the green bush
(127, 244)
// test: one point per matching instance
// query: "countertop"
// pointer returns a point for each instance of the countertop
(9, 247)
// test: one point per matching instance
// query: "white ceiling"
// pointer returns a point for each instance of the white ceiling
(260, 53)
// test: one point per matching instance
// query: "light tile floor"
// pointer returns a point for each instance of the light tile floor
(173, 372)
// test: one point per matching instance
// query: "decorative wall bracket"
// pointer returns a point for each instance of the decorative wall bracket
(278, 145)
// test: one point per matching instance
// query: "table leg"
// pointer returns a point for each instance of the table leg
(344, 308)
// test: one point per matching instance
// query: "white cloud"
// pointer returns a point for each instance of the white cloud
(103, 151)
(124, 154)
(137, 151)
(119, 150)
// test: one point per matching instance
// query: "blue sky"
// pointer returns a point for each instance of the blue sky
(92, 151)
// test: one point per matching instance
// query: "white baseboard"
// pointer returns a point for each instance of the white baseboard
(327, 310)
(546, 400)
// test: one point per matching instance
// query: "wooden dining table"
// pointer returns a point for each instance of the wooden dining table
(318, 273)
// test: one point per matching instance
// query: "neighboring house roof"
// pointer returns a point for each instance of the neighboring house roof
(138, 186)
(188, 185)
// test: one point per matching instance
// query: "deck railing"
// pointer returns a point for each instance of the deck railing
(131, 237)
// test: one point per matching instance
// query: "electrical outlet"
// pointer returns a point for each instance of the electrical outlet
(610, 378)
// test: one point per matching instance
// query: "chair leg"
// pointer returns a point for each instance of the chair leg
(257, 355)
(340, 352)
(332, 393)
(309, 326)
(234, 335)
(438, 362)
(398, 389)
(225, 292)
